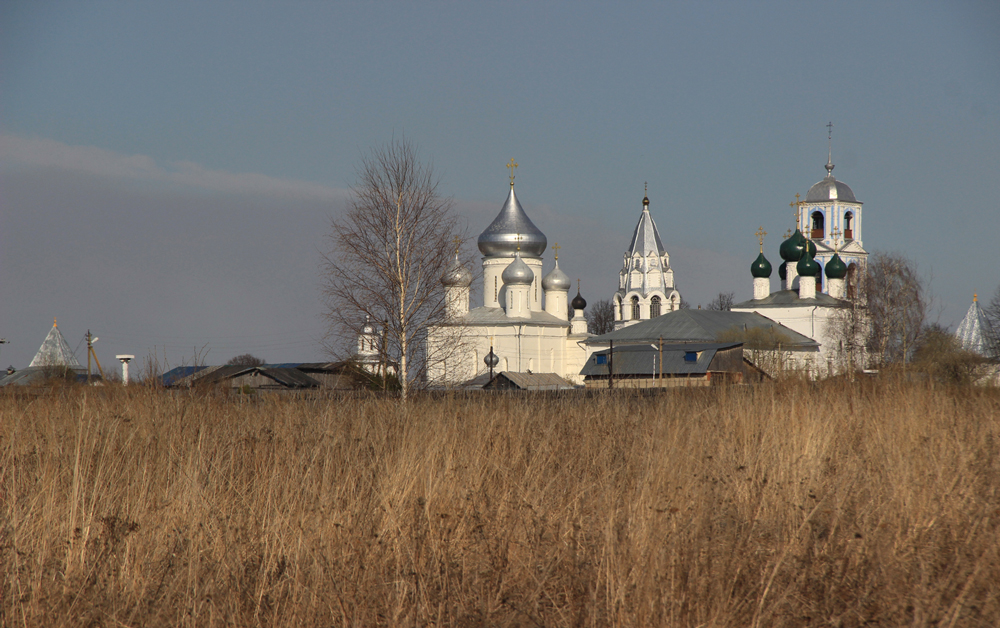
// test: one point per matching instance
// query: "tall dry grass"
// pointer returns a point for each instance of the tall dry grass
(834, 504)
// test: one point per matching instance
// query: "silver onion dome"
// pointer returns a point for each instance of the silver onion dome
(456, 275)
(556, 280)
(830, 189)
(501, 238)
(517, 273)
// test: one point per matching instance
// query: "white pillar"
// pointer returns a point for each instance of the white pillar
(807, 287)
(836, 288)
(125, 359)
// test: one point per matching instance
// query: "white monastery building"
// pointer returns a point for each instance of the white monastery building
(524, 319)
(646, 281)
(820, 262)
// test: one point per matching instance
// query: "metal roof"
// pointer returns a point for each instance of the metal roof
(54, 351)
(976, 333)
(644, 359)
(530, 381)
(698, 326)
(830, 189)
(645, 238)
(790, 298)
(495, 316)
(512, 228)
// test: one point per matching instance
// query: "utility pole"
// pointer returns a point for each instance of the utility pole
(611, 366)
(660, 378)
(91, 339)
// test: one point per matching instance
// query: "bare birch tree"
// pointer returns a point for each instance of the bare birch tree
(387, 254)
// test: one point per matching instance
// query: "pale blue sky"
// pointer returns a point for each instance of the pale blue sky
(169, 169)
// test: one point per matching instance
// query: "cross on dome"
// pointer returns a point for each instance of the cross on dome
(760, 233)
(556, 247)
(511, 165)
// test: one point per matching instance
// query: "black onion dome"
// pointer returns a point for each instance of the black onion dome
(578, 302)
(783, 270)
(836, 268)
(760, 267)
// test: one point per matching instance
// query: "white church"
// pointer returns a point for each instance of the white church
(821, 260)
(523, 324)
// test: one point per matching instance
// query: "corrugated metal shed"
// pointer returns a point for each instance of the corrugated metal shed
(643, 360)
(698, 326)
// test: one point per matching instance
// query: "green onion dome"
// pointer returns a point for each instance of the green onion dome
(807, 267)
(811, 245)
(791, 249)
(760, 267)
(836, 268)
(783, 270)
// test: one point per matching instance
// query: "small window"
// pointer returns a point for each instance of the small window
(635, 308)
(654, 307)
(817, 226)
(601, 358)
(690, 356)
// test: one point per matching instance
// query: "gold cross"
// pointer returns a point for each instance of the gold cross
(788, 233)
(578, 286)
(510, 166)
(518, 235)
(760, 237)
(835, 234)
(556, 247)
(458, 243)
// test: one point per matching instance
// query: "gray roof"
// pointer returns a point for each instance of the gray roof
(500, 239)
(492, 316)
(283, 376)
(54, 351)
(42, 374)
(645, 238)
(975, 332)
(530, 381)
(644, 359)
(830, 189)
(698, 326)
(790, 298)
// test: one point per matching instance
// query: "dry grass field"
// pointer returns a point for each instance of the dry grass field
(782, 505)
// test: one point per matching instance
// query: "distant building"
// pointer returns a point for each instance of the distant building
(977, 334)
(53, 361)
(670, 365)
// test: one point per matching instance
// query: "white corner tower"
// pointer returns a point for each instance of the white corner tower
(646, 281)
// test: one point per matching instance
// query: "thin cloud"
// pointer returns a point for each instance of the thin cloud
(45, 153)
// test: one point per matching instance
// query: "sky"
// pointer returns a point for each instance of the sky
(169, 170)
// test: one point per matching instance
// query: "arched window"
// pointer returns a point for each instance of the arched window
(635, 308)
(654, 307)
(849, 226)
(621, 309)
(817, 225)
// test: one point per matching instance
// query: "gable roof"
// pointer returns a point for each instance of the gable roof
(54, 351)
(790, 298)
(644, 359)
(528, 381)
(698, 326)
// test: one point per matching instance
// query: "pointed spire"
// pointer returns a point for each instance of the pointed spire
(829, 158)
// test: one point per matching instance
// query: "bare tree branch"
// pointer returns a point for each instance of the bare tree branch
(387, 253)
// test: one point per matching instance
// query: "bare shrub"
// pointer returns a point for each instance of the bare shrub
(601, 317)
